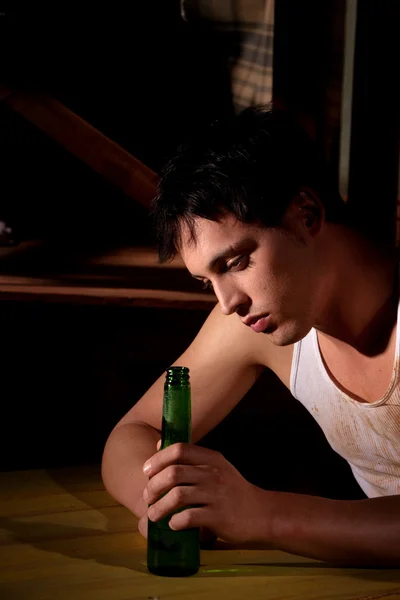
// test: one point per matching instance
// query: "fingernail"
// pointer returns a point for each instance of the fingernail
(147, 467)
(145, 495)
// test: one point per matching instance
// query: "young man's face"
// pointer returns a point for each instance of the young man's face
(267, 276)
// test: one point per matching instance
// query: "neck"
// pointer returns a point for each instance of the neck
(359, 291)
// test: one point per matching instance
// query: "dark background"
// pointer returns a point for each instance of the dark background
(147, 80)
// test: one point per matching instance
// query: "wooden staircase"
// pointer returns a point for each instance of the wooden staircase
(129, 276)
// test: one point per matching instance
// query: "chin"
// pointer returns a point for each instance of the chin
(286, 335)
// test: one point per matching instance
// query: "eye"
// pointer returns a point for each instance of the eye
(239, 263)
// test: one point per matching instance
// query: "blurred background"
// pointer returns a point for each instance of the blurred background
(92, 102)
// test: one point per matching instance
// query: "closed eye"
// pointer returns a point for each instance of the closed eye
(239, 263)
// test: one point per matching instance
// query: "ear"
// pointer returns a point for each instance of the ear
(305, 213)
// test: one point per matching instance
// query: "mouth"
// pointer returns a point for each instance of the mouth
(258, 324)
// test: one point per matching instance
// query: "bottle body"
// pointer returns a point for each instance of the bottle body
(174, 553)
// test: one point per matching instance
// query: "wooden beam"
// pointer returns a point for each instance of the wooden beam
(87, 143)
(31, 288)
(125, 276)
(129, 256)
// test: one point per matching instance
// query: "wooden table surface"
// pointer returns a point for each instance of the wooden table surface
(63, 537)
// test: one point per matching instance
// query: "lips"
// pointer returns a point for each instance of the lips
(258, 324)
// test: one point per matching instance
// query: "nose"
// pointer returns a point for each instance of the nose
(231, 299)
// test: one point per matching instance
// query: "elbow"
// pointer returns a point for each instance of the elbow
(106, 465)
(111, 458)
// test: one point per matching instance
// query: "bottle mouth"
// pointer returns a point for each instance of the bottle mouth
(177, 375)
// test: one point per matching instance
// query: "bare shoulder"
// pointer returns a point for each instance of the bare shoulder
(225, 359)
(237, 344)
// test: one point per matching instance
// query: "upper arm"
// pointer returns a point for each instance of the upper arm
(224, 363)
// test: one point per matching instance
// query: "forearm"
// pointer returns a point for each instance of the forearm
(127, 449)
(359, 533)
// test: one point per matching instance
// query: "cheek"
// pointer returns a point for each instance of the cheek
(268, 291)
(287, 289)
(294, 272)
(280, 279)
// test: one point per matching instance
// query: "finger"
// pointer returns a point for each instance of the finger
(158, 445)
(175, 475)
(141, 507)
(192, 517)
(180, 497)
(180, 454)
(142, 525)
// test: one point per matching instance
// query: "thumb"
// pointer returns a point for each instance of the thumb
(207, 537)
(142, 525)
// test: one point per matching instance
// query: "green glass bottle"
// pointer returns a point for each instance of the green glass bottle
(174, 553)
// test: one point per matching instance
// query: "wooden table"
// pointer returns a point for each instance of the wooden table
(63, 537)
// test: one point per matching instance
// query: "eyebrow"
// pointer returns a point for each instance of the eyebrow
(229, 252)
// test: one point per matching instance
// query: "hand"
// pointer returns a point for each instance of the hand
(219, 497)
(207, 537)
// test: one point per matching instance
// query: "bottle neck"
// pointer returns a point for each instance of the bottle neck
(176, 422)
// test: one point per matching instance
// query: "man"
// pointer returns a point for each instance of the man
(253, 213)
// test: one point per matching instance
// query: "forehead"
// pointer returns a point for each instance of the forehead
(213, 237)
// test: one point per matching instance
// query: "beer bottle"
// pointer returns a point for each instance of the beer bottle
(174, 553)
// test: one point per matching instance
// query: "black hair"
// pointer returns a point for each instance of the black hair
(251, 165)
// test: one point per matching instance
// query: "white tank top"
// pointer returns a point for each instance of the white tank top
(366, 435)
